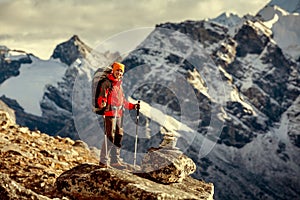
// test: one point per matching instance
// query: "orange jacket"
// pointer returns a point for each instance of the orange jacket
(111, 92)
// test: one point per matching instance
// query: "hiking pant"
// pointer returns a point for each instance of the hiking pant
(114, 133)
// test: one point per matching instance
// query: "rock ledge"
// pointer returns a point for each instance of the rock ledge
(89, 181)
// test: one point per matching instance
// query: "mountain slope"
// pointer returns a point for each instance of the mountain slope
(292, 6)
(48, 85)
(283, 19)
(31, 161)
(256, 154)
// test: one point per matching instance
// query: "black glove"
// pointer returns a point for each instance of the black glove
(137, 106)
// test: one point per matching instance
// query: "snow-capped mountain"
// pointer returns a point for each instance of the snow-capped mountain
(256, 154)
(233, 83)
(230, 21)
(32, 78)
(43, 96)
(283, 18)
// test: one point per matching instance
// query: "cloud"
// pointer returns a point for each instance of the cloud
(30, 21)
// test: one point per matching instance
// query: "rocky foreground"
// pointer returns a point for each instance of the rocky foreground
(34, 165)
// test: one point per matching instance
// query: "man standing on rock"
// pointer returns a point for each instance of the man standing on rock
(112, 98)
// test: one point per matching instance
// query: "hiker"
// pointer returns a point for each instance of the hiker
(112, 98)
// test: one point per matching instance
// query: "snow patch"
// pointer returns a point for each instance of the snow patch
(31, 83)
(285, 26)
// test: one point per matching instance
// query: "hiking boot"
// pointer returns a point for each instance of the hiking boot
(103, 165)
(154, 149)
(116, 160)
(118, 165)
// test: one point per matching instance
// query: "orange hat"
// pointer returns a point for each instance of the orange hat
(117, 66)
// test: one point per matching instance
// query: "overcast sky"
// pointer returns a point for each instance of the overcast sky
(37, 26)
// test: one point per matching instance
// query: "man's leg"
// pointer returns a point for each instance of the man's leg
(108, 143)
(116, 160)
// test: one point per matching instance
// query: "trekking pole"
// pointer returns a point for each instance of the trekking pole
(136, 134)
(122, 118)
(105, 138)
(115, 118)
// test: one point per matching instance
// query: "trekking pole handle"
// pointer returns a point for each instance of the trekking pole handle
(136, 134)
(138, 109)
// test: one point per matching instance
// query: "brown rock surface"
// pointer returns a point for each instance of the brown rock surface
(34, 165)
(168, 165)
(89, 181)
(10, 189)
(35, 160)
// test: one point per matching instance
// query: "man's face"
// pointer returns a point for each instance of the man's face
(118, 74)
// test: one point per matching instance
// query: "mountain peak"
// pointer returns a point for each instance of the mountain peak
(75, 37)
(71, 50)
(283, 19)
(228, 19)
(77, 41)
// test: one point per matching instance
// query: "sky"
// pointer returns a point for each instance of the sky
(37, 26)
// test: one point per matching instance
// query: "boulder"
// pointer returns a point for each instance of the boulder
(89, 181)
(167, 165)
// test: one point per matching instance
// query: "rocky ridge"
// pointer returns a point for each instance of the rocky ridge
(92, 182)
(34, 160)
(34, 165)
